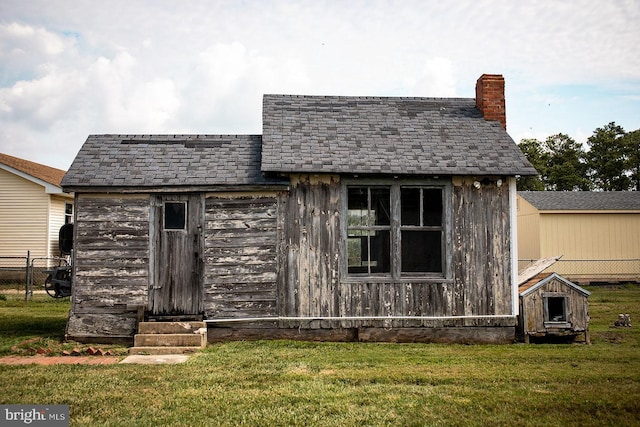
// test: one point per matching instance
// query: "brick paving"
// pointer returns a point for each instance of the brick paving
(59, 360)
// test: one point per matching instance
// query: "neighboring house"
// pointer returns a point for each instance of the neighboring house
(350, 218)
(596, 233)
(33, 207)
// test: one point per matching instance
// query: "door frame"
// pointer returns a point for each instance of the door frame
(160, 300)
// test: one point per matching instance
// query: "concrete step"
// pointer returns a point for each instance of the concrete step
(161, 338)
(170, 327)
(164, 350)
(170, 340)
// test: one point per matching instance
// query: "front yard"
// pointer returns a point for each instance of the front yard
(343, 384)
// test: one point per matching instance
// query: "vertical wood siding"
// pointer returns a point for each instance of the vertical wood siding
(111, 264)
(271, 254)
(482, 250)
(309, 256)
(240, 257)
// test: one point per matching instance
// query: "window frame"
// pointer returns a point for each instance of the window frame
(548, 321)
(164, 215)
(68, 212)
(370, 229)
(396, 228)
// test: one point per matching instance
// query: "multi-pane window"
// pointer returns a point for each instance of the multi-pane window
(395, 230)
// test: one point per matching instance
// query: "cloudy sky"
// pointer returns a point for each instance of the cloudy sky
(73, 68)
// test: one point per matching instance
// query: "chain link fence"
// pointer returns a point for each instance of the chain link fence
(594, 271)
(26, 274)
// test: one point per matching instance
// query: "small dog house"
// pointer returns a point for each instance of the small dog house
(552, 306)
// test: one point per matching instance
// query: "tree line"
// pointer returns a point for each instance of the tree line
(612, 162)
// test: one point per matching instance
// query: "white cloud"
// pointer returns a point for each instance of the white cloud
(28, 52)
(41, 101)
(67, 70)
(435, 79)
(17, 39)
(224, 91)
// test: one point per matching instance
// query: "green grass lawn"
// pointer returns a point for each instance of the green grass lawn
(280, 383)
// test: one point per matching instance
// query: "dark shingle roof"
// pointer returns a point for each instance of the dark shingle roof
(582, 200)
(338, 134)
(166, 160)
(42, 172)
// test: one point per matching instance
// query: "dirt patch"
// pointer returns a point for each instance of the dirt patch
(612, 337)
(59, 360)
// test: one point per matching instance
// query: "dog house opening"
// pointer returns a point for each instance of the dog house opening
(556, 309)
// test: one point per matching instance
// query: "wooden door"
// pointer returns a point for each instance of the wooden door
(176, 254)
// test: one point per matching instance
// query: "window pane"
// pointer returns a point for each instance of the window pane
(369, 252)
(410, 206)
(421, 251)
(380, 252)
(380, 206)
(358, 206)
(357, 254)
(175, 215)
(432, 206)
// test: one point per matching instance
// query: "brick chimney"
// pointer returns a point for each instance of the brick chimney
(490, 98)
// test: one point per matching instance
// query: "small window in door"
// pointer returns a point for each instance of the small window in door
(175, 215)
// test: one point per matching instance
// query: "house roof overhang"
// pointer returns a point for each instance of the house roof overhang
(48, 187)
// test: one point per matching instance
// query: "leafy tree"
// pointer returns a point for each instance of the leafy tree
(611, 164)
(534, 153)
(560, 160)
(632, 145)
(566, 167)
(608, 158)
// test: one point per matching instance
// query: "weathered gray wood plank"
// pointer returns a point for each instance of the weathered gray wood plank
(240, 257)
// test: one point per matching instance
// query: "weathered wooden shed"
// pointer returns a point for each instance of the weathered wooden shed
(350, 218)
(552, 307)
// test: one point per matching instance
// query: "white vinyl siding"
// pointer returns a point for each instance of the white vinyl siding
(56, 220)
(29, 218)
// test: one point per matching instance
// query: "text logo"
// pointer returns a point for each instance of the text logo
(34, 415)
